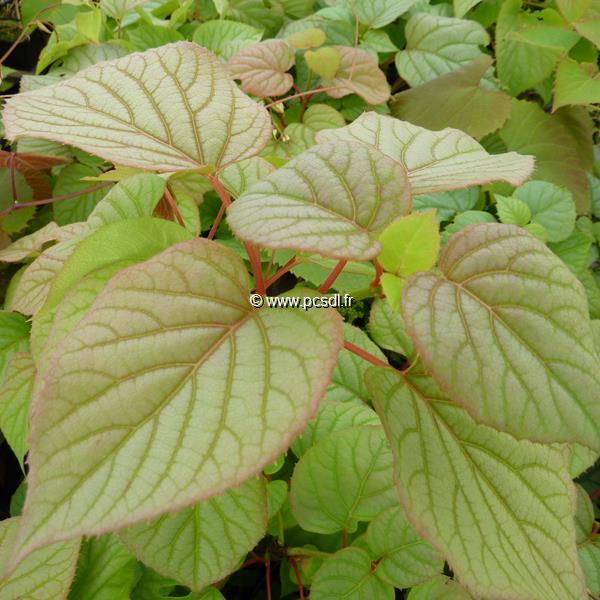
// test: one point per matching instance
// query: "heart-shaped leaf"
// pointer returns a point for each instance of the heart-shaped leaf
(324, 62)
(332, 200)
(435, 160)
(225, 389)
(377, 13)
(504, 329)
(162, 110)
(576, 84)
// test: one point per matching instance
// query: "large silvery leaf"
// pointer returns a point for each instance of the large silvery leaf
(504, 329)
(173, 399)
(332, 200)
(45, 573)
(162, 109)
(436, 160)
(500, 510)
(205, 542)
(436, 45)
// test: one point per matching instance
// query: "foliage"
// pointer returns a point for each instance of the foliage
(301, 297)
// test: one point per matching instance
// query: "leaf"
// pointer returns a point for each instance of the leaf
(500, 510)
(551, 206)
(436, 45)
(45, 573)
(574, 251)
(406, 559)
(576, 84)
(348, 574)
(133, 197)
(344, 478)
(512, 211)
(455, 99)
(358, 73)
(584, 15)
(225, 38)
(387, 329)
(333, 416)
(262, 68)
(503, 299)
(581, 459)
(447, 204)
(462, 7)
(435, 160)
(205, 542)
(313, 37)
(323, 116)
(584, 515)
(187, 321)
(31, 244)
(589, 555)
(152, 36)
(116, 110)
(530, 130)
(325, 62)
(377, 13)
(105, 570)
(242, 175)
(440, 588)
(15, 393)
(332, 200)
(14, 337)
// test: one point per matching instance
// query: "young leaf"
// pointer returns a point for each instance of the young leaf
(323, 116)
(436, 160)
(262, 68)
(512, 211)
(205, 542)
(500, 510)
(504, 329)
(14, 337)
(589, 556)
(436, 45)
(386, 327)
(584, 515)
(332, 200)
(377, 13)
(349, 574)
(202, 372)
(576, 84)
(32, 244)
(447, 204)
(45, 573)
(117, 110)
(325, 62)
(225, 38)
(440, 588)
(343, 479)
(405, 559)
(313, 37)
(242, 175)
(583, 15)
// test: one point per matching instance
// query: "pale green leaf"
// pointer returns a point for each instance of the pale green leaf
(32, 244)
(239, 177)
(224, 37)
(277, 491)
(344, 478)
(105, 570)
(116, 110)
(391, 286)
(377, 13)
(440, 588)
(499, 509)
(258, 13)
(513, 211)
(581, 459)
(313, 37)
(323, 116)
(436, 45)
(551, 206)
(236, 385)
(589, 556)
(576, 84)
(15, 393)
(45, 573)
(462, 7)
(405, 559)
(84, 56)
(14, 337)
(387, 328)
(349, 574)
(456, 100)
(505, 331)
(448, 204)
(584, 515)
(332, 200)
(573, 251)
(205, 542)
(148, 36)
(132, 197)
(325, 62)
(436, 160)
(377, 40)
(584, 15)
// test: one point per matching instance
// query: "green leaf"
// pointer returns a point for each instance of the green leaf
(313, 37)
(551, 206)
(133, 197)
(225, 38)
(447, 204)
(513, 211)
(14, 337)
(456, 100)
(323, 116)
(105, 570)
(581, 459)
(584, 515)
(277, 491)
(406, 559)
(333, 416)
(344, 478)
(242, 175)
(187, 322)
(589, 556)
(504, 299)
(531, 131)
(45, 573)
(576, 84)
(262, 68)
(584, 15)
(325, 62)
(147, 36)
(257, 13)
(377, 40)
(573, 251)
(205, 542)
(348, 574)
(436, 160)
(332, 200)
(377, 13)
(440, 588)
(499, 509)
(15, 393)
(386, 327)
(436, 45)
(178, 125)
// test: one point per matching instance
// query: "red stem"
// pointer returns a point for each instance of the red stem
(300, 95)
(268, 569)
(298, 578)
(173, 206)
(281, 272)
(252, 561)
(220, 190)
(332, 277)
(378, 273)
(218, 219)
(595, 494)
(365, 355)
